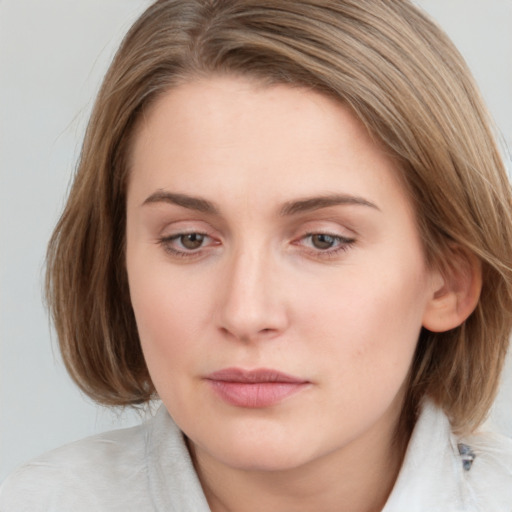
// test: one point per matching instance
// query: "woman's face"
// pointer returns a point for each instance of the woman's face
(275, 270)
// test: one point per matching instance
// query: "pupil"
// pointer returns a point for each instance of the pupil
(322, 241)
(192, 240)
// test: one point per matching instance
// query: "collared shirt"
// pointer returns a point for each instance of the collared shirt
(148, 469)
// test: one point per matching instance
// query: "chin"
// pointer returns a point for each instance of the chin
(261, 453)
(264, 460)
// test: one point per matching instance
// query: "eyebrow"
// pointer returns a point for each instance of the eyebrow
(186, 201)
(319, 202)
(289, 208)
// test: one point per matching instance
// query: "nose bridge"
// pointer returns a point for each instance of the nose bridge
(251, 304)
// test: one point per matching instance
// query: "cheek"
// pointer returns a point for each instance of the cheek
(166, 312)
(366, 327)
(165, 330)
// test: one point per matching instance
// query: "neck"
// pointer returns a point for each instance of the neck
(357, 478)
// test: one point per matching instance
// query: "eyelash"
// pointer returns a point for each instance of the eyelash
(344, 244)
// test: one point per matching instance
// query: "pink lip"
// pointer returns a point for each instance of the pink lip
(254, 388)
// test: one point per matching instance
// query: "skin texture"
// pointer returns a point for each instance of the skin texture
(342, 314)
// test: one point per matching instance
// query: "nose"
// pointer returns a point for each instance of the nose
(252, 304)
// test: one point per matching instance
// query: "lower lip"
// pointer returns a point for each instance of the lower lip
(255, 395)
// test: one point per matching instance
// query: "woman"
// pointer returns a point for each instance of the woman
(291, 224)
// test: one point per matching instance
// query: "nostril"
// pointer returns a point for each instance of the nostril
(247, 337)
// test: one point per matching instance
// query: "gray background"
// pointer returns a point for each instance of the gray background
(53, 54)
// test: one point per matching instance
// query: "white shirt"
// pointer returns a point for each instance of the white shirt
(148, 469)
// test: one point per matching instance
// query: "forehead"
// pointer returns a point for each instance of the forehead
(232, 132)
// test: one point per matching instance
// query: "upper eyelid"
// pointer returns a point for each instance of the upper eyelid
(328, 233)
(186, 232)
(334, 224)
(184, 227)
(334, 229)
(328, 226)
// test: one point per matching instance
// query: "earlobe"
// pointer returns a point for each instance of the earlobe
(455, 292)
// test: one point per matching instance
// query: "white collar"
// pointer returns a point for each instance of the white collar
(432, 474)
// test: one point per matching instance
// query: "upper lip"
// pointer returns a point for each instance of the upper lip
(254, 376)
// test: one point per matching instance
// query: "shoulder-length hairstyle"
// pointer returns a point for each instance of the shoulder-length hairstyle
(403, 79)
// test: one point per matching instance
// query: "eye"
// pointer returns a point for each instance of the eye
(187, 244)
(325, 244)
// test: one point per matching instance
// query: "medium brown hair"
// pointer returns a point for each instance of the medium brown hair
(405, 81)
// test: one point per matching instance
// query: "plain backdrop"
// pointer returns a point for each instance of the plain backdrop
(53, 54)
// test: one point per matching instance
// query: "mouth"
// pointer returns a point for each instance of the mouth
(254, 389)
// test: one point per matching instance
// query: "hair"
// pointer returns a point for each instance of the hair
(406, 82)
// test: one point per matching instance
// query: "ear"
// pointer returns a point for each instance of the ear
(455, 291)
